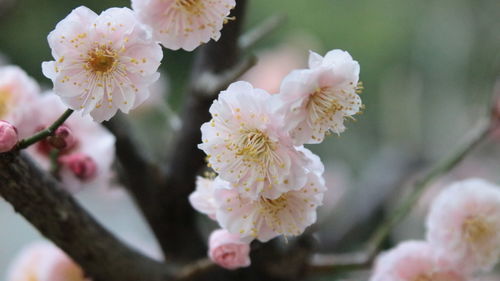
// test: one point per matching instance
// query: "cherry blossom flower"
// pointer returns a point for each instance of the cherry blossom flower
(184, 24)
(17, 92)
(43, 261)
(8, 136)
(88, 160)
(266, 218)
(228, 250)
(464, 222)
(102, 62)
(415, 261)
(246, 144)
(318, 99)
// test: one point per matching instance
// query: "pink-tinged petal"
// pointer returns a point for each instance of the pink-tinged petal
(103, 63)
(17, 92)
(415, 260)
(228, 250)
(265, 218)
(246, 143)
(464, 222)
(184, 24)
(317, 100)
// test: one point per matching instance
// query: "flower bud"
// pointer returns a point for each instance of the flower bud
(8, 136)
(228, 250)
(63, 138)
(81, 165)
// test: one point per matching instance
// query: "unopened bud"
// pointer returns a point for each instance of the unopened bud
(82, 165)
(8, 136)
(63, 138)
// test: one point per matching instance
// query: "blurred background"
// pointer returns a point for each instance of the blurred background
(429, 69)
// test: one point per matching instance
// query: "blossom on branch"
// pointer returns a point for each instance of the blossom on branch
(102, 62)
(228, 250)
(247, 145)
(88, 157)
(464, 223)
(317, 100)
(8, 136)
(415, 261)
(266, 218)
(43, 261)
(184, 24)
(17, 92)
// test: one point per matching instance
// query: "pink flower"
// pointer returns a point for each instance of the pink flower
(246, 144)
(8, 136)
(317, 100)
(272, 67)
(88, 161)
(266, 218)
(17, 91)
(415, 261)
(228, 250)
(44, 262)
(464, 223)
(102, 62)
(184, 24)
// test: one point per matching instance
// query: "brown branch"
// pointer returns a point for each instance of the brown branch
(42, 201)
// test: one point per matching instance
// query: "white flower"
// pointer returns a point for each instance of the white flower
(464, 223)
(246, 144)
(102, 62)
(266, 218)
(317, 100)
(17, 92)
(184, 24)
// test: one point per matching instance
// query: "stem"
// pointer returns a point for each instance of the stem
(420, 185)
(45, 133)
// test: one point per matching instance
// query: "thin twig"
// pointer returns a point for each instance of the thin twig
(44, 133)
(251, 38)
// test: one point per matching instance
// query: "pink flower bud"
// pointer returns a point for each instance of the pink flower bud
(228, 250)
(8, 136)
(63, 138)
(82, 166)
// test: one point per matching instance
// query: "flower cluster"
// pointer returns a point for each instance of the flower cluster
(105, 63)
(268, 184)
(463, 238)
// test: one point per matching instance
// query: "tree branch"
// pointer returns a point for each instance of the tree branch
(40, 199)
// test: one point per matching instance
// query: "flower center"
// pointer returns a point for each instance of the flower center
(191, 6)
(4, 98)
(322, 105)
(273, 206)
(101, 59)
(476, 230)
(255, 146)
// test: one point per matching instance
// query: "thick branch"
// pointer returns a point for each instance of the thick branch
(40, 199)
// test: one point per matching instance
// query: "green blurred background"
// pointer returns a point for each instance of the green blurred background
(429, 68)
